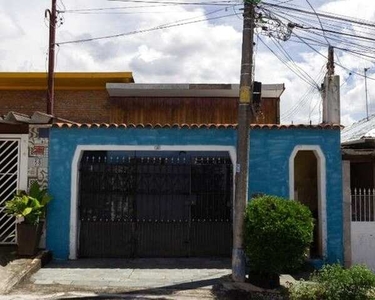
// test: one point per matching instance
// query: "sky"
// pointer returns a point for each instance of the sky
(208, 51)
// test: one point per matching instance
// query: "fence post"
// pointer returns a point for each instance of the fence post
(346, 213)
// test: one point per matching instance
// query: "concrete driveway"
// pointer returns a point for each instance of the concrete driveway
(147, 277)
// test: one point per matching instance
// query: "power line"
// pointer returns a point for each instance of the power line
(219, 3)
(311, 92)
(346, 80)
(299, 18)
(165, 26)
(302, 40)
(312, 48)
(111, 8)
(287, 55)
(324, 31)
(320, 22)
(323, 14)
(154, 4)
(287, 65)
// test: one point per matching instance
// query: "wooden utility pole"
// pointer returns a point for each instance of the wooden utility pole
(331, 92)
(51, 57)
(243, 143)
(331, 61)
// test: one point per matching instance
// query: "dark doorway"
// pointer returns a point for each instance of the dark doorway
(155, 204)
(306, 191)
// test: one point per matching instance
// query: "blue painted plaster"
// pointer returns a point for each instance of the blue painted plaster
(269, 168)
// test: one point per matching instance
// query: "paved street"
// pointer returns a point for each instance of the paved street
(114, 278)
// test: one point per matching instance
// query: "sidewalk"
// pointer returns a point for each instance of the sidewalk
(134, 274)
(126, 279)
(14, 270)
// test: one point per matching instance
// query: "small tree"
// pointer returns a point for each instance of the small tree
(278, 233)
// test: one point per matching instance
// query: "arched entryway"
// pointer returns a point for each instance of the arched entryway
(155, 163)
(307, 185)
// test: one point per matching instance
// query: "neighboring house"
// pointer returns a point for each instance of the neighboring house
(358, 154)
(358, 146)
(24, 128)
(149, 170)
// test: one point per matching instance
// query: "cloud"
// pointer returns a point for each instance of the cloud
(201, 52)
(9, 28)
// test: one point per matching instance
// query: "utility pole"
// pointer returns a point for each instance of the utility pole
(331, 62)
(243, 142)
(331, 92)
(51, 57)
(366, 69)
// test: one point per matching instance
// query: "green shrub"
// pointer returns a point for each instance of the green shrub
(345, 284)
(334, 282)
(278, 233)
(305, 291)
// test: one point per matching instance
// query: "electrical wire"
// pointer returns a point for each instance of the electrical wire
(288, 57)
(338, 64)
(164, 26)
(312, 84)
(317, 16)
(219, 3)
(346, 80)
(360, 50)
(324, 14)
(301, 103)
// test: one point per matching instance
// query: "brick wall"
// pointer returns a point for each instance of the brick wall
(79, 106)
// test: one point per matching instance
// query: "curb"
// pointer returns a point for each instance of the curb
(16, 278)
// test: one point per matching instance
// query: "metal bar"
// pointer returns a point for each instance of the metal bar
(7, 221)
(354, 205)
(11, 235)
(368, 205)
(10, 177)
(9, 196)
(10, 145)
(8, 163)
(4, 159)
(360, 205)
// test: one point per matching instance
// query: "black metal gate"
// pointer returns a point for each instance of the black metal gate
(172, 204)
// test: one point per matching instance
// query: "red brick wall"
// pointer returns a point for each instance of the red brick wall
(78, 106)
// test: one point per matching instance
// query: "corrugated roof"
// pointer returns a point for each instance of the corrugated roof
(363, 129)
(194, 126)
(36, 118)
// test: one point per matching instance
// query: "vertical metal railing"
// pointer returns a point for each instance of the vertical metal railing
(135, 204)
(9, 177)
(363, 204)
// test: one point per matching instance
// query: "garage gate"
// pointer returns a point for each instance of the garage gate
(155, 204)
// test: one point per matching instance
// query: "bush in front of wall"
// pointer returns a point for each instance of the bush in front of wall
(278, 233)
(334, 282)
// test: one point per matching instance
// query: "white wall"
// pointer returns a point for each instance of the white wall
(363, 243)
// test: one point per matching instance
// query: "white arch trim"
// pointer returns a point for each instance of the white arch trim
(74, 223)
(322, 200)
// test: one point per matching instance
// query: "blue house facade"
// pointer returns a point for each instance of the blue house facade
(279, 157)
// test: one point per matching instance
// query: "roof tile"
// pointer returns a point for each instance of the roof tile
(195, 126)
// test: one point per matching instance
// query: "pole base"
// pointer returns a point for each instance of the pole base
(238, 265)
